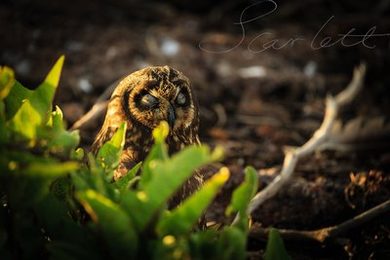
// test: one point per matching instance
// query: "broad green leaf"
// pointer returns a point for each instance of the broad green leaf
(203, 245)
(7, 80)
(124, 182)
(26, 121)
(232, 244)
(53, 78)
(167, 177)
(51, 170)
(95, 177)
(41, 98)
(161, 132)
(275, 249)
(243, 195)
(109, 154)
(159, 151)
(115, 225)
(15, 99)
(184, 217)
(58, 139)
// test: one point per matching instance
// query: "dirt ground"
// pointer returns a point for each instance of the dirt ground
(254, 101)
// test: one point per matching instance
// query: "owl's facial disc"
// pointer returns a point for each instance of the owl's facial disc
(163, 95)
(149, 101)
(150, 107)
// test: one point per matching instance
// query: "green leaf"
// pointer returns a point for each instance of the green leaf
(41, 98)
(53, 78)
(7, 80)
(232, 244)
(161, 132)
(77, 154)
(115, 225)
(124, 182)
(15, 99)
(4, 132)
(95, 178)
(184, 217)
(167, 177)
(51, 170)
(109, 154)
(26, 121)
(159, 151)
(275, 249)
(58, 139)
(243, 195)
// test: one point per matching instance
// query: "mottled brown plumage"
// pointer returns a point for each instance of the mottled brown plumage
(143, 99)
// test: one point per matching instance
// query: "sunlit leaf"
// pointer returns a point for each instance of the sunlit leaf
(109, 154)
(243, 195)
(26, 121)
(41, 98)
(159, 151)
(51, 169)
(59, 139)
(184, 217)
(161, 132)
(7, 80)
(124, 182)
(275, 249)
(167, 177)
(94, 177)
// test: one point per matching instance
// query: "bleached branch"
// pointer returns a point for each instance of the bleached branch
(319, 138)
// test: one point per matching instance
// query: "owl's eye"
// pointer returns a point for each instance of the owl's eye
(149, 101)
(181, 99)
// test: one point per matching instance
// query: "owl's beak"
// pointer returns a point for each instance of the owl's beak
(171, 116)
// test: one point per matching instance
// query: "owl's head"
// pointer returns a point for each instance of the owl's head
(153, 94)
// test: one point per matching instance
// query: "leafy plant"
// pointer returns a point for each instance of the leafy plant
(54, 205)
(275, 247)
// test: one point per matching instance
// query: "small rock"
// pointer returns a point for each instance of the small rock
(252, 72)
(170, 47)
(85, 85)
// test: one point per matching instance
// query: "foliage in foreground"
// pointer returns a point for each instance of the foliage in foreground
(53, 205)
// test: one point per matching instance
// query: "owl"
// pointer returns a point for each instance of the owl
(142, 100)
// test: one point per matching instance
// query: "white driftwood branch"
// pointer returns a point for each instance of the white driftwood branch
(319, 138)
(293, 155)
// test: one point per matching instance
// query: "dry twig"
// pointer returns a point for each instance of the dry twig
(320, 138)
(97, 109)
(320, 235)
